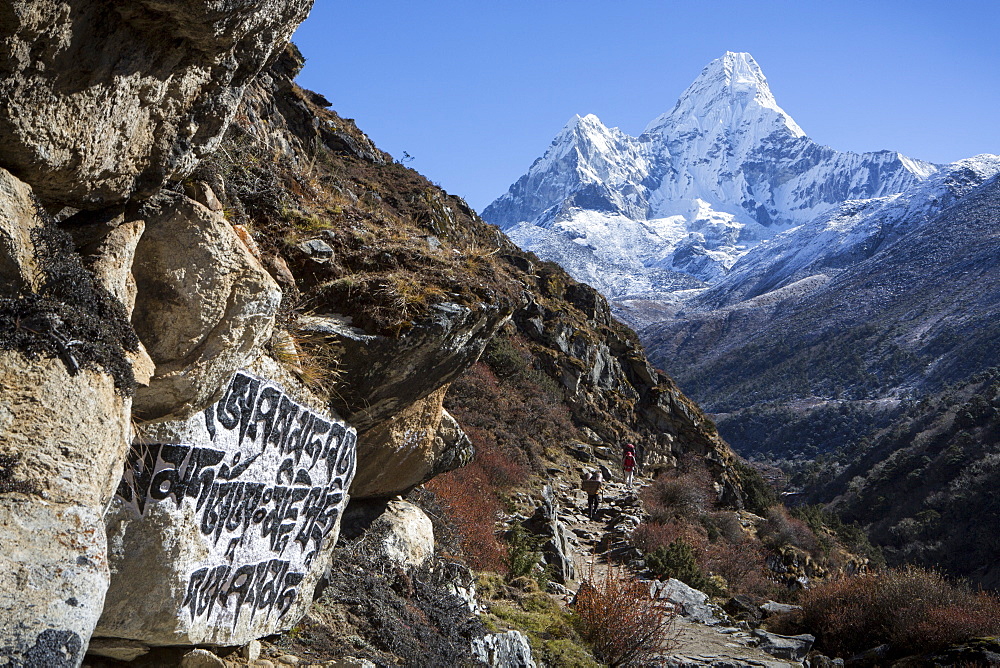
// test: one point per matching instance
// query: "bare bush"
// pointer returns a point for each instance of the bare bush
(617, 617)
(912, 609)
(680, 495)
(743, 565)
(782, 529)
(474, 509)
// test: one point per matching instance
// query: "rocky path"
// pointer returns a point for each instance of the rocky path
(591, 543)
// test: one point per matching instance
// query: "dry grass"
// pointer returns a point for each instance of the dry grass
(617, 617)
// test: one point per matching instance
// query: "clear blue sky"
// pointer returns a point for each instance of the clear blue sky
(476, 89)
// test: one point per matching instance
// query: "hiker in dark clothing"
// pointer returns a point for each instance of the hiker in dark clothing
(592, 486)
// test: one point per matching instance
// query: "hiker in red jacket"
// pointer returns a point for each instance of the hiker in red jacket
(628, 463)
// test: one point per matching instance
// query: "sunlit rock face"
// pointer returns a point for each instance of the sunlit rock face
(102, 101)
(204, 305)
(64, 432)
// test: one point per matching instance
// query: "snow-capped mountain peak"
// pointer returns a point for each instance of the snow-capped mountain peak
(724, 169)
(729, 91)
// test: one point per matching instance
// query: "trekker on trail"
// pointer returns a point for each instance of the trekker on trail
(592, 486)
(628, 463)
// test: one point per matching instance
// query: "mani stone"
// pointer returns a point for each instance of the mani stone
(224, 523)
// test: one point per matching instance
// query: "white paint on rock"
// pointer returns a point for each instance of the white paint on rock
(224, 522)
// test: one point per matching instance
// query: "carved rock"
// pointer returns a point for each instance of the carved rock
(226, 521)
(105, 101)
(63, 439)
(204, 305)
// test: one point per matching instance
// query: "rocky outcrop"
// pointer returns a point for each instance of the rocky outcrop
(392, 389)
(205, 305)
(63, 438)
(785, 647)
(384, 375)
(413, 446)
(101, 102)
(504, 650)
(226, 521)
(614, 391)
(556, 551)
(64, 432)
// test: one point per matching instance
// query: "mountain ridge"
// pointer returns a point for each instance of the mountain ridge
(723, 170)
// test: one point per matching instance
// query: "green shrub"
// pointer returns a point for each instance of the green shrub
(678, 561)
(525, 552)
(759, 494)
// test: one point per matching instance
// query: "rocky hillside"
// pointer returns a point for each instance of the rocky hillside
(923, 486)
(230, 321)
(911, 315)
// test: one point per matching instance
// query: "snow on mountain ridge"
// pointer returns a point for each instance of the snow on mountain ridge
(847, 234)
(723, 170)
(722, 93)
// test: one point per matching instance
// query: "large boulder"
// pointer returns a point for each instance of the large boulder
(397, 532)
(504, 650)
(225, 522)
(204, 305)
(687, 601)
(104, 101)
(794, 648)
(64, 434)
(422, 441)
(63, 439)
(406, 534)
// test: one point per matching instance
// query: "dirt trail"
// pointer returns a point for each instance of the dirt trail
(593, 540)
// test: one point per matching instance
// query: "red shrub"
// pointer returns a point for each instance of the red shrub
(684, 493)
(617, 617)
(649, 536)
(474, 508)
(501, 469)
(913, 609)
(782, 529)
(744, 567)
